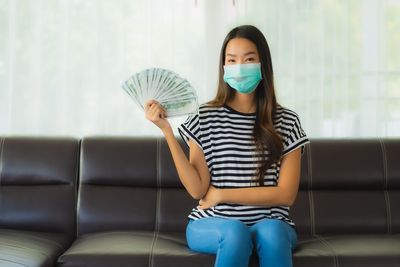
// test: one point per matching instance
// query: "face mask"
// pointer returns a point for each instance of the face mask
(243, 77)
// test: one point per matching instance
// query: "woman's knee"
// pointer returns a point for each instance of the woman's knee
(235, 229)
(274, 233)
(237, 235)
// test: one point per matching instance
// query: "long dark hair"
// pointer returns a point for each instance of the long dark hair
(265, 136)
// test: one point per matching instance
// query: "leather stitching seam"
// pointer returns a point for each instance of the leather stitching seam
(326, 243)
(310, 192)
(385, 187)
(158, 202)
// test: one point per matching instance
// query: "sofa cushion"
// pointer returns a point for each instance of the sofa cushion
(366, 250)
(170, 249)
(34, 249)
(118, 184)
(349, 181)
(109, 249)
(38, 183)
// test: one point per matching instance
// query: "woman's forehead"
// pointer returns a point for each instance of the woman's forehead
(240, 46)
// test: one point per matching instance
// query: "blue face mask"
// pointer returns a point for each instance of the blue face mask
(243, 77)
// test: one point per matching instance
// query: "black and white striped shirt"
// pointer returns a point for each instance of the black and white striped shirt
(226, 138)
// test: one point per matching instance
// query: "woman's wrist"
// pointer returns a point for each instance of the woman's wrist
(220, 195)
(167, 130)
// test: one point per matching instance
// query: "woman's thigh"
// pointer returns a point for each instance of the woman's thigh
(208, 234)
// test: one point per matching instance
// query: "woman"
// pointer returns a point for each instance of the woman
(244, 160)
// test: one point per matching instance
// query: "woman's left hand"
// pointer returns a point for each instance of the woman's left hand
(211, 198)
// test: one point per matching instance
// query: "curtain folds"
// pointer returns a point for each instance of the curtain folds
(62, 63)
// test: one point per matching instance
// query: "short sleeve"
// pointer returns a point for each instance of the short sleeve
(295, 137)
(190, 129)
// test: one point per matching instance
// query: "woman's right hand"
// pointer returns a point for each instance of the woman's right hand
(157, 114)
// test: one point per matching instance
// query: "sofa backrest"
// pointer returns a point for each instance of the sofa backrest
(349, 186)
(346, 186)
(38, 183)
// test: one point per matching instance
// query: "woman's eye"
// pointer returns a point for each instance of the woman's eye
(250, 59)
(231, 60)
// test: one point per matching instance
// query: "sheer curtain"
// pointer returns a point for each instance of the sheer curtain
(336, 63)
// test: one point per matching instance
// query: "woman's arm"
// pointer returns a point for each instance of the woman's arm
(284, 194)
(193, 173)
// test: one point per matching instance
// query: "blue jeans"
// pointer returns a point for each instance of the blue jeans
(232, 241)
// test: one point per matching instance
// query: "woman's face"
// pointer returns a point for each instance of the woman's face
(241, 51)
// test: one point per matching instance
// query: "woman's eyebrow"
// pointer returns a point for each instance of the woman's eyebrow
(246, 54)
(249, 53)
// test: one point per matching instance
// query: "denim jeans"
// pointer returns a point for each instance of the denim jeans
(233, 241)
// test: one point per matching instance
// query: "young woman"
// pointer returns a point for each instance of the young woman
(244, 162)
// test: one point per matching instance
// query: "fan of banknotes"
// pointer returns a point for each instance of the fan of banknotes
(173, 92)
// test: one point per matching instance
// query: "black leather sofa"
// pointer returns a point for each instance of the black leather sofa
(117, 201)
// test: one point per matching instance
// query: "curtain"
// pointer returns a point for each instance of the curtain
(62, 62)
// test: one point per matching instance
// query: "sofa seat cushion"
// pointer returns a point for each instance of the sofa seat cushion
(170, 249)
(312, 251)
(34, 249)
(137, 248)
(109, 249)
(364, 250)
(132, 248)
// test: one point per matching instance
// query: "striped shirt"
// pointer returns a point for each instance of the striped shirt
(226, 138)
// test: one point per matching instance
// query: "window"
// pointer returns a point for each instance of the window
(336, 63)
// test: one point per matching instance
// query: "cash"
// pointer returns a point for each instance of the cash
(173, 92)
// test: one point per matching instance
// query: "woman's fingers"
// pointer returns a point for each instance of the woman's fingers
(203, 205)
(149, 103)
(163, 113)
(153, 104)
(152, 113)
(155, 111)
(161, 108)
